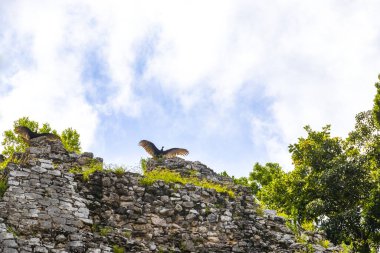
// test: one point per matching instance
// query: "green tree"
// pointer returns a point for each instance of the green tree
(376, 104)
(237, 180)
(70, 140)
(364, 144)
(331, 183)
(259, 177)
(14, 143)
(335, 184)
(276, 194)
(262, 176)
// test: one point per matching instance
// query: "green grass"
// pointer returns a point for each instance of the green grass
(119, 171)
(118, 249)
(105, 231)
(4, 164)
(169, 176)
(127, 234)
(88, 169)
(302, 238)
(308, 226)
(324, 243)
(10, 159)
(292, 226)
(193, 173)
(260, 211)
(12, 231)
(346, 248)
(95, 228)
(309, 248)
(55, 165)
(3, 186)
(143, 163)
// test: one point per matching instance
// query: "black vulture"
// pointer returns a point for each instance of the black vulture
(156, 153)
(28, 134)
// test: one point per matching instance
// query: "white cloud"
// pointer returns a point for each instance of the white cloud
(323, 73)
(48, 89)
(317, 62)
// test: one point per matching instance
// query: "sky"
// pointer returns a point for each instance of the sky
(234, 82)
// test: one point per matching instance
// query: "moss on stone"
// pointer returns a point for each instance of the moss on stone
(87, 170)
(118, 249)
(3, 186)
(169, 176)
(105, 231)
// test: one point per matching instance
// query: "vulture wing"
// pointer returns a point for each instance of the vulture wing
(149, 147)
(175, 151)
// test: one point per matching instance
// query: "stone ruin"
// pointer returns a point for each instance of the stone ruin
(48, 209)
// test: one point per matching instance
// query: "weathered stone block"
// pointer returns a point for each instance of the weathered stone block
(9, 243)
(10, 250)
(6, 236)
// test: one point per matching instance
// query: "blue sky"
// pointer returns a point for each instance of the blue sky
(234, 82)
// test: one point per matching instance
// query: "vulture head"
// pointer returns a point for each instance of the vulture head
(157, 153)
(25, 133)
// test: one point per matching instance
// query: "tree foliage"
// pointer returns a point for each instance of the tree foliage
(376, 104)
(237, 180)
(263, 175)
(14, 143)
(335, 184)
(70, 140)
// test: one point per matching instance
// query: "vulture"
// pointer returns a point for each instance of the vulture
(156, 153)
(28, 134)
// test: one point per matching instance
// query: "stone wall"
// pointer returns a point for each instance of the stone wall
(41, 211)
(48, 209)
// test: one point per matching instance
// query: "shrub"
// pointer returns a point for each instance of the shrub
(127, 234)
(88, 169)
(3, 186)
(173, 177)
(118, 249)
(324, 243)
(308, 226)
(260, 211)
(346, 248)
(143, 163)
(105, 231)
(12, 231)
(4, 164)
(119, 171)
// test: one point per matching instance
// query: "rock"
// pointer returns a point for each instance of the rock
(158, 221)
(166, 211)
(224, 218)
(212, 218)
(178, 208)
(10, 250)
(60, 238)
(40, 249)
(190, 216)
(9, 243)
(279, 219)
(188, 246)
(188, 204)
(87, 154)
(48, 209)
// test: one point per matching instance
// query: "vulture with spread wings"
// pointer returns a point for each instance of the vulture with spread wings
(156, 153)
